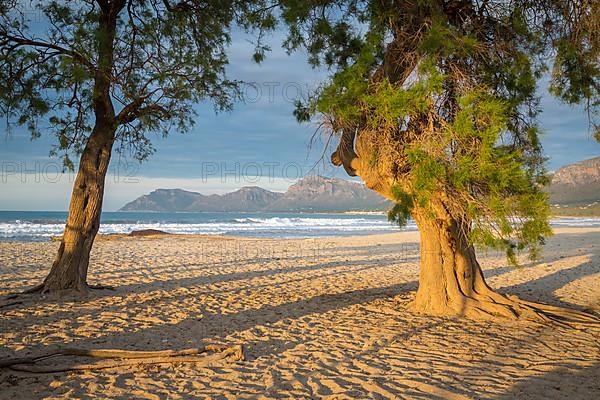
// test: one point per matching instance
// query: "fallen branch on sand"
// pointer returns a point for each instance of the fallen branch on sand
(125, 358)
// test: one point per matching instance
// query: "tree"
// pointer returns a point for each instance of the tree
(435, 103)
(101, 72)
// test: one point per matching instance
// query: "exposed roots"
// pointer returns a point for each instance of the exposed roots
(43, 289)
(36, 289)
(563, 315)
(119, 358)
(10, 303)
(494, 305)
(451, 281)
(12, 296)
(101, 287)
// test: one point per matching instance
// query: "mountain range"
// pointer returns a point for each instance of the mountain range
(310, 194)
(575, 190)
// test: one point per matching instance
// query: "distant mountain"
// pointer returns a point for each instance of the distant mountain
(575, 188)
(250, 198)
(317, 193)
(310, 194)
(163, 200)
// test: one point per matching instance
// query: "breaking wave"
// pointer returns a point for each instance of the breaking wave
(40, 226)
(276, 227)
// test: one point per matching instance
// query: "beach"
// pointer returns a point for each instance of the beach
(317, 318)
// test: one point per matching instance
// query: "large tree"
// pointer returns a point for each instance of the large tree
(100, 72)
(435, 103)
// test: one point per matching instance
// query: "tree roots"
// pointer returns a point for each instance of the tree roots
(494, 305)
(119, 358)
(42, 289)
(101, 287)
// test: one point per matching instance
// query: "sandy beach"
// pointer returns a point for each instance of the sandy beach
(317, 318)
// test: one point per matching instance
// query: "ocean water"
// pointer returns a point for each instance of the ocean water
(41, 225)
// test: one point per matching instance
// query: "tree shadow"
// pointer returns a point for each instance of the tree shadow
(235, 258)
(268, 323)
(210, 279)
(235, 276)
(195, 332)
(202, 285)
(544, 288)
(564, 382)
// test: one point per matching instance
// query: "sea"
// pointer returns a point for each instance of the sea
(30, 226)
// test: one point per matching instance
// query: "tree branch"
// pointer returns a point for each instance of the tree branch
(36, 43)
(134, 110)
(181, 6)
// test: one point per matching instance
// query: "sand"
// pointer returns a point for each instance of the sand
(318, 318)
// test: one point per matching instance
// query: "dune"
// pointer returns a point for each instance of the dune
(317, 318)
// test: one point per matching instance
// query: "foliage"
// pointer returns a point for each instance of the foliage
(165, 57)
(444, 94)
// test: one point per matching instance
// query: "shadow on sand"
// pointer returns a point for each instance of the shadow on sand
(198, 329)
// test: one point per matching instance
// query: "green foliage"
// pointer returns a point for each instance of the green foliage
(165, 58)
(444, 40)
(348, 85)
(400, 212)
(576, 73)
(446, 94)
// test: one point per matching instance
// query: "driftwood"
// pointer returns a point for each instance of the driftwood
(121, 358)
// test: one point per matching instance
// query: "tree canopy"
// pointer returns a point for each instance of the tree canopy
(165, 57)
(442, 99)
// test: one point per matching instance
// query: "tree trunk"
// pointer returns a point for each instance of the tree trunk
(451, 281)
(70, 267)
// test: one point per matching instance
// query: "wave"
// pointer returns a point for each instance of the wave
(276, 227)
(575, 222)
(251, 226)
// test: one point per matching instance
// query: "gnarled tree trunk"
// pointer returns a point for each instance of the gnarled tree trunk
(451, 281)
(69, 270)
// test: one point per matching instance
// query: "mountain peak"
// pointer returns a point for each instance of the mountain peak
(312, 179)
(247, 189)
(581, 173)
(576, 184)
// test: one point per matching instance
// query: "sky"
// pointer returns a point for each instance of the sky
(258, 143)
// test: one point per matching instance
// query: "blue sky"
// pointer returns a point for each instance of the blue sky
(227, 151)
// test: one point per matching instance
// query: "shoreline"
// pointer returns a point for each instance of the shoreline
(133, 234)
(293, 232)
